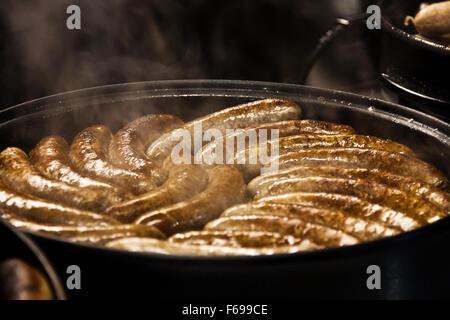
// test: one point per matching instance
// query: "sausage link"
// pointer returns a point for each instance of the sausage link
(89, 234)
(301, 142)
(225, 188)
(352, 206)
(171, 248)
(51, 158)
(364, 158)
(42, 211)
(359, 227)
(19, 175)
(184, 182)
(408, 185)
(237, 239)
(207, 154)
(89, 154)
(371, 191)
(241, 116)
(129, 144)
(320, 234)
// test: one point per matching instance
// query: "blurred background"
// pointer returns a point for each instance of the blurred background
(126, 41)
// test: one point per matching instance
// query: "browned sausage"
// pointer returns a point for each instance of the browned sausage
(363, 229)
(320, 234)
(408, 185)
(89, 234)
(89, 154)
(184, 182)
(207, 154)
(368, 190)
(365, 158)
(352, 206)
(51, 158)
(129, 144)
(18, 174)
(225, 188)
(42, 211)
(301, 142)
(241, 116)
(166, 247)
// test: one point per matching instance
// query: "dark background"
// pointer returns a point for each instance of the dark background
(127, 41)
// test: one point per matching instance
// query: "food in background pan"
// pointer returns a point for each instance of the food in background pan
(20, 281)
(155, 187)
(432, 22)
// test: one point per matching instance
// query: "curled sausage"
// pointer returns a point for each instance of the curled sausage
(86, 234)
(352, 206)
(301, 142)
(89, 154)
(320, 234)
(18, 174)
(241, 116)
(208, 154)
(184, 182)
(129, 144)
(175, 248)
(363, 158)
(359, 227)
(42, 211)
(51, 158)
(371, 191)
(225, 188)
(408, 185)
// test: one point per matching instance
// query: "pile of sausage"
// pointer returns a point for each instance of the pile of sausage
(330, 188)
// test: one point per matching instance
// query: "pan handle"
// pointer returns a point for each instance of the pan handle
(342, 24)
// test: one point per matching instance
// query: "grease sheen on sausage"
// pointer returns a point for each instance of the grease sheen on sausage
(241, 116)
(363, 229)
(225, 188)
(89, 154)
(18, 174)
(365, 158)
(129, 144)
(353, 206)
(184, 182)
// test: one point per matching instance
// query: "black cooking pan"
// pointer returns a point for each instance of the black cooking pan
(16, 245)
(413, 264)
(414, 68)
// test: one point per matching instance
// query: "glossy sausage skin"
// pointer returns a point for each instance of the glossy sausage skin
(241, 116)
(51, 158)
(42, 211)
(184, 182)
(363, 229)
(129, 144)
(18, 174)
(371, 191)
(408, 185)
(302, 142)
(206, 155)
(320, 234)
(175, 248)
(352, 206)
(89, 154)
(225, 188)
(366, 158)
(90, 234)
(237, 239)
